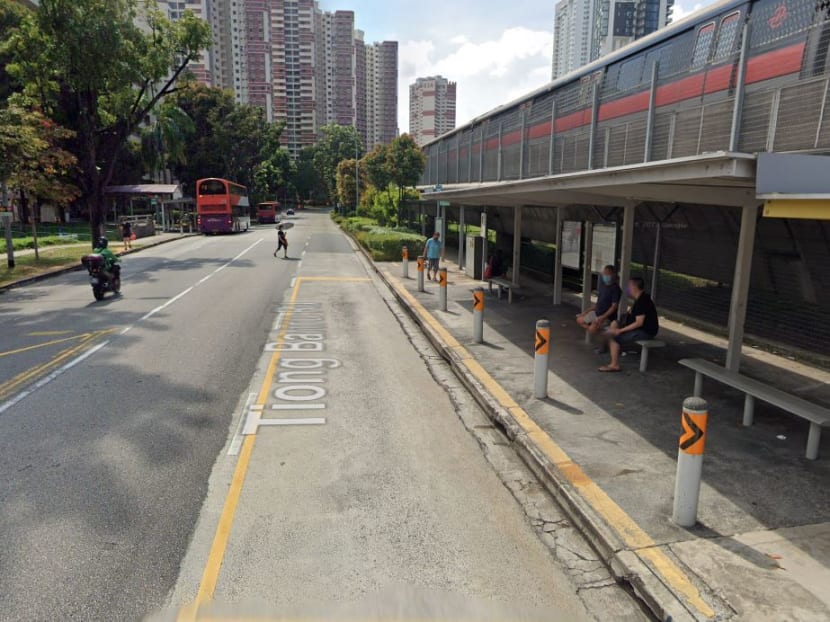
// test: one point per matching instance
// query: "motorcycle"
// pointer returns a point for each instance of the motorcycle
(100, 281)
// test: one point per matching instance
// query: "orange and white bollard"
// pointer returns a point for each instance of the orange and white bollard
(690, 461)
(442, 291)
(405, 263)
(540, 369)
(478, 315)
(420, 274)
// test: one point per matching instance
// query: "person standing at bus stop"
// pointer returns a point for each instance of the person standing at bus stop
(432, 251)
(282, 242)
(127, 234)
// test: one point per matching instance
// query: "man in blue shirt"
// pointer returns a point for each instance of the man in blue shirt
(432, 251)
(608, 301)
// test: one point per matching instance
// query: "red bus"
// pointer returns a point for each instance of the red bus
(222, 206)
(266, 213)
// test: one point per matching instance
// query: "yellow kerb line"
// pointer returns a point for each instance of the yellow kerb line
(629, 531)
(210, 576)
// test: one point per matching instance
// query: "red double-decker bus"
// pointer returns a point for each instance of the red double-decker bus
(222, 206)
(267, 212)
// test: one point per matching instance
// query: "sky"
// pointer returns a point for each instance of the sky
(495, 50)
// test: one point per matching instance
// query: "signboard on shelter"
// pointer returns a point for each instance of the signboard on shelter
(604, 247)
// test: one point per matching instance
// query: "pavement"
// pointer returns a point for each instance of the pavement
(606, 447)
(243, 432)
(355, 484)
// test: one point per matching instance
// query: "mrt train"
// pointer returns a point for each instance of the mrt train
(687, 73)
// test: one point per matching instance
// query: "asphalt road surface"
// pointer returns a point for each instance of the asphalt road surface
(120, 433)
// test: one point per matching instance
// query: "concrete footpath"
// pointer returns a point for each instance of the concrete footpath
(606, 447)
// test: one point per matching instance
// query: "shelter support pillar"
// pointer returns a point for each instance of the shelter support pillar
(462, 234)
(740, 287)
(557, 266)
(626, 251)
(587, 274)
(517, 244)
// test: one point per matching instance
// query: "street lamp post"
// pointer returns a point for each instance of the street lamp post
(357, 177)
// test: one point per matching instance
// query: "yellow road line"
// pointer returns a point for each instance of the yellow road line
(335, 279)
(49, 333)
(28, 375)
(629, 531)
(210, 576)
(45, 344)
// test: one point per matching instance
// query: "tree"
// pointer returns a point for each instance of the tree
(376, 165)
(101, 67)
(346, 189)
(406, 163)
(32, 159)
(338, 143)
(307, 181)
(11, 15)
(164, 140)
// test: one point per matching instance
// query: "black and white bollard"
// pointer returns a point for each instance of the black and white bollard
(420, 274)
(442, 291)
(690, 461)
(478, 315)
(540, 369)
(405, 262)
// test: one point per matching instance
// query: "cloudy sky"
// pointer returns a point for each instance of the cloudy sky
(495, 49)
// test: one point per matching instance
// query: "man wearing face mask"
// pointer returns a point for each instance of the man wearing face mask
(640, 324)
(608, 300)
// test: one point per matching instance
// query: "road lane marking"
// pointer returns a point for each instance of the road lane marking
(626, 527)
(178, 296)
(236, 441)
(222, 267)
(49, 333)
(27, 375)
(216, 556)
(44, 381)
(46, 344)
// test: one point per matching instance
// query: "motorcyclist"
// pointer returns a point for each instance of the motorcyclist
(110, 259)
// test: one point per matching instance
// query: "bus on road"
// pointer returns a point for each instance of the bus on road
(266, 213)
(222, 206)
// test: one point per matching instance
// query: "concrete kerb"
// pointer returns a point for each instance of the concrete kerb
(625, 565)
(68, 269)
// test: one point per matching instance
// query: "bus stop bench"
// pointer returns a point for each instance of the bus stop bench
(646, 345)
(818, 416)
(503, 284)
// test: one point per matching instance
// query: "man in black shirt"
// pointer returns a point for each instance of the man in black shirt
(640, 324)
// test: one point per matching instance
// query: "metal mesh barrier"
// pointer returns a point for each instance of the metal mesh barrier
(755, 121)
(799, 108)
(717, 125)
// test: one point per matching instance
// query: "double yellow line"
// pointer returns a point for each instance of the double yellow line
(84, 342)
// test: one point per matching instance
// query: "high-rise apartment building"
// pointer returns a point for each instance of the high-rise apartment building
(432, 106)
(303, 66)
(381, 93)
(584, 30)
(174, 9)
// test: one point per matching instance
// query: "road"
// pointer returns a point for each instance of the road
(120, 436)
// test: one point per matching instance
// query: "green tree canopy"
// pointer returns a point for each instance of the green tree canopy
(338, 143)
(100, 67)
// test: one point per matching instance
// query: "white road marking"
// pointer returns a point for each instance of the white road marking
(178, 296)
(46, 380)
(310, 421)
(236, 442)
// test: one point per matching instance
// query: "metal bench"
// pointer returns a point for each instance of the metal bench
(646, 345)
(818, 416)
(503, 284)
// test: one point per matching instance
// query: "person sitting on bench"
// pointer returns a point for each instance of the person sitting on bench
(640, 324)
(608, 300)
(495, 266)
